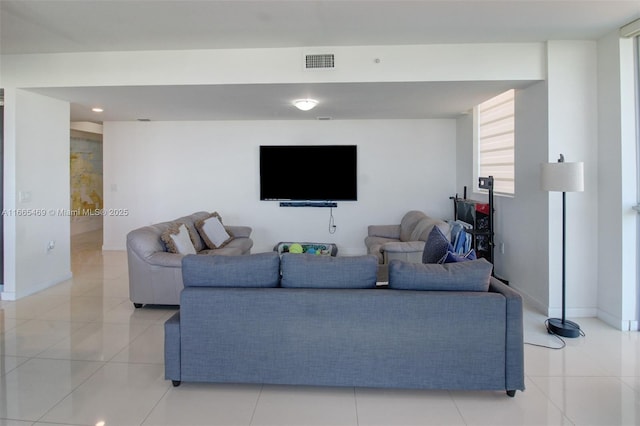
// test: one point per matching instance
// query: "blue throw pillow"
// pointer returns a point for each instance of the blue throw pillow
(452, 257)
(436, 246)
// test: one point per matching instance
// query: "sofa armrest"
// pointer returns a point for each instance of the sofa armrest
(403, 247)
(384, 231)
(163, 258)
(409, 251)
(239, 231)
(514, 351)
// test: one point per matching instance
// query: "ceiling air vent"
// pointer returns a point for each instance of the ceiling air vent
(324, 61)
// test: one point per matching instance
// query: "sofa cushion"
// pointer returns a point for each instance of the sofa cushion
(436, 246)
(425, 225)
(309, 271)
(473, 275)
(408, 224)
(452, 257)
(253, 270)
(178, 239)
(236, 246)
(212, 231)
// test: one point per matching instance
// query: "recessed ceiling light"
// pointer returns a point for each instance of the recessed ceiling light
(305, 104)
(96, 109)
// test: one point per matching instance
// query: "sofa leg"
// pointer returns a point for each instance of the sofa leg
(511, 393)
(176, 383)
(137, 305)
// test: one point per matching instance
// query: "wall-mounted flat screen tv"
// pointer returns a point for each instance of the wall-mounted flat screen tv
(309, 172)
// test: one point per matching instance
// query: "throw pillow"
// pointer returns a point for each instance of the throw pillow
(436, 246)
(213, 231)
(178, 239)
(452, 257)
(473, 275)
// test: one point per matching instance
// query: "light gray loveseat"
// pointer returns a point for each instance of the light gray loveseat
(155, 275)
(403, 241)
(324, 322)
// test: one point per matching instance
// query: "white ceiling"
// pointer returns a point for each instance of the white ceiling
(47, 26)
(52, 26)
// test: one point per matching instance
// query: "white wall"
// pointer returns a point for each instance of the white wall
(437, 62)
(573, 130)
(162, 170)
(519, 219)
(618, 292)
(36, 164)
(552, 117)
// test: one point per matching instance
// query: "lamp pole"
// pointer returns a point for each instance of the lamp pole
(564, 256)
(563, 327)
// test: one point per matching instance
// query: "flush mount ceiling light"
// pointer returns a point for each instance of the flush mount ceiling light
(305, 104)
(96, 109)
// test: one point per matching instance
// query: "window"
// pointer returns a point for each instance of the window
(494, 140)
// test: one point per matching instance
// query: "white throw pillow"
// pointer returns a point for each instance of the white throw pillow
(213, 232)
(178, 240)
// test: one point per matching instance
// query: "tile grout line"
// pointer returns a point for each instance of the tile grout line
(71, 391)
(155, 405)
(355, 400)
(455, 403)
(255, 407)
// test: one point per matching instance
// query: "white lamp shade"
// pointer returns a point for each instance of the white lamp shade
(562, 177)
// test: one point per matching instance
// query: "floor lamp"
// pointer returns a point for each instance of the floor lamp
(563, 177)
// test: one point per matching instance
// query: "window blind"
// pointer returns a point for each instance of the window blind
(496, 141)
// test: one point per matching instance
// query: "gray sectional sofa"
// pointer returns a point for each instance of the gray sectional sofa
(320, 320)
(155, 274)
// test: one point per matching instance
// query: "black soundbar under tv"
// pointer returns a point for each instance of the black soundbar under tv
(308, 204)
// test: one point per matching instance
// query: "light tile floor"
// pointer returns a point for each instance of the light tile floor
(79, 354)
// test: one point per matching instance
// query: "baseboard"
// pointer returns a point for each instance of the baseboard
(351, 251)
(12, 295)
(8, 295)
(574, 312)
(618, 323)
(530, 301)
(117, 247)
(262, 249)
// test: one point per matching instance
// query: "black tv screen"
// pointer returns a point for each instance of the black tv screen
(308, 172)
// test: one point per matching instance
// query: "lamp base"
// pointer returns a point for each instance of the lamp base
(564, 329)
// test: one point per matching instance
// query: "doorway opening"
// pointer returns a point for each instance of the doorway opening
(86, 188)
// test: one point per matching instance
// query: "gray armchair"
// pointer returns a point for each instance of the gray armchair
(404, 241)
